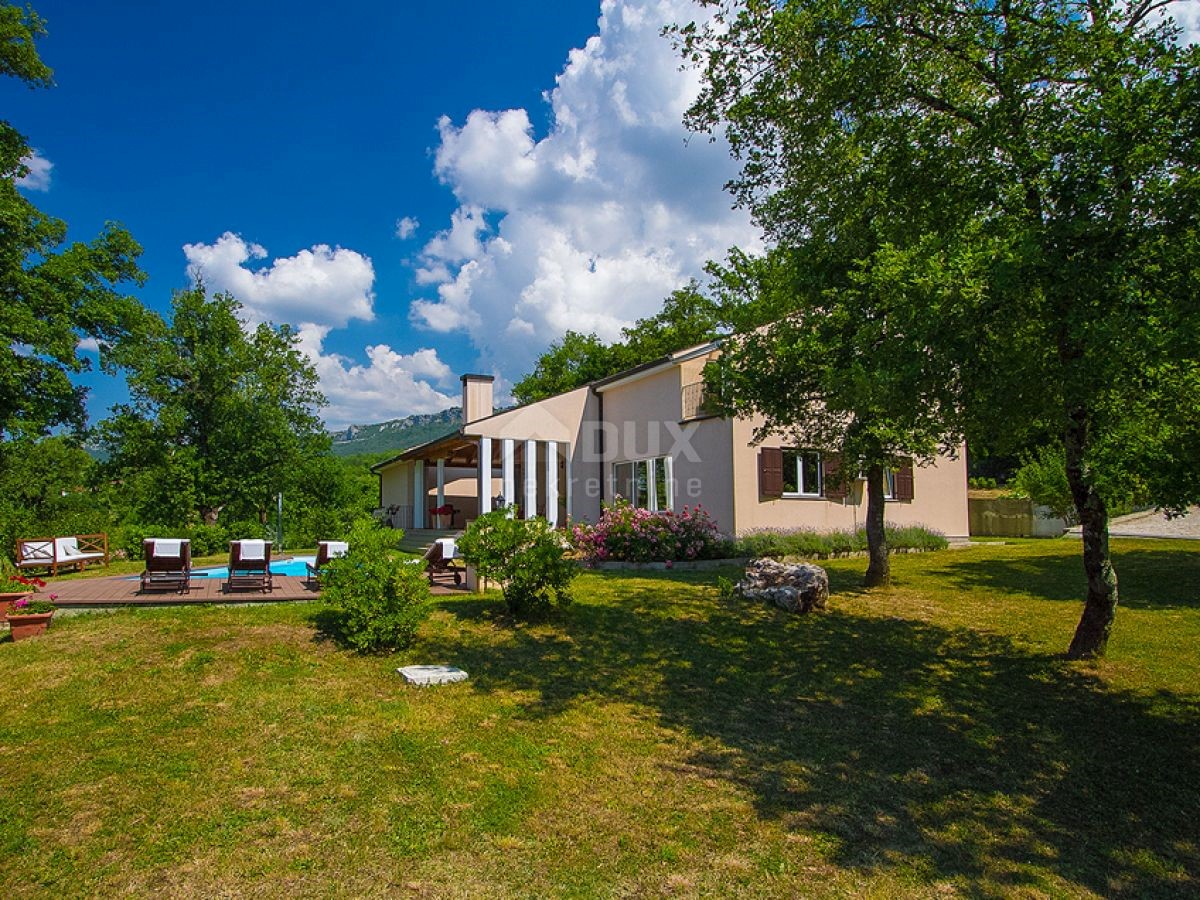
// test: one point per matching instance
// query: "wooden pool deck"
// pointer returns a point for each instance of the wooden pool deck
(125, 590)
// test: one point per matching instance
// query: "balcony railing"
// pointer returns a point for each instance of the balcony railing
(694, 402)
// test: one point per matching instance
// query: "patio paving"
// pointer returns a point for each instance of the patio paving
(124, 590)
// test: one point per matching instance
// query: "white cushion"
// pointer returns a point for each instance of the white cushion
(336, 548)
(166, 547)
(253, 550)
(449, 548)
(66, 547)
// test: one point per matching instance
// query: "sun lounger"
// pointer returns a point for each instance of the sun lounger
(439, 560)
(53, 554)
(249, 566)
(326, 550)
(168, 564)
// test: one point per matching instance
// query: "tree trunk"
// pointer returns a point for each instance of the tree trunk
(1100, 608)
(878, 568)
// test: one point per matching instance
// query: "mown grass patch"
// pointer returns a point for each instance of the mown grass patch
(652, 739)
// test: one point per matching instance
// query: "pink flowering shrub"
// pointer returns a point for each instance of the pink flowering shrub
(627, 534)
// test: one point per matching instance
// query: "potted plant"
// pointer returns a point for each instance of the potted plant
(27, 617)
(14, 586)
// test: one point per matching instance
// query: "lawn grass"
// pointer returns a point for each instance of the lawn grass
(654, 739)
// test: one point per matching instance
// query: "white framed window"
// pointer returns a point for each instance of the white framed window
(889, 484)
(645, 483)
(802, 473)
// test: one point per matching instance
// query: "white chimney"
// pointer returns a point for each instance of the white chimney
(476, 397)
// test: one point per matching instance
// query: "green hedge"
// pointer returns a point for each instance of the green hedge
(207, 540)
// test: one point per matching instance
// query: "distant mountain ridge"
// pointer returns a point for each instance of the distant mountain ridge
(396, 434)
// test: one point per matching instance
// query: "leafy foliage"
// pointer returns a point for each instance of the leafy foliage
(324, 496)
(526, 556)
(47, 487)
(380, 596)
(1043, 479)
(627, 534)
(1025, 175)
(52, 294)
(27, 607)
(219, 421)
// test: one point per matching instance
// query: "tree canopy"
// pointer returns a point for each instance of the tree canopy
(53, 294)
(219, 417)
(829, 368)
(1043, 153)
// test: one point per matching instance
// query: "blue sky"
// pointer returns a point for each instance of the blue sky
(423, 189)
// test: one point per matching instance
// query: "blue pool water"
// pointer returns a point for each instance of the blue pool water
(296, 566)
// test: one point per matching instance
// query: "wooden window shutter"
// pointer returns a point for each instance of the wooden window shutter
(831, 481)
(904, 480)
(770, 472)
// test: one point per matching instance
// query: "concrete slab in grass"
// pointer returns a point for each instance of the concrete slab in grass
(426, 675)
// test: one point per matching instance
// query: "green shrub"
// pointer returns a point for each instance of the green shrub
(808, 544)
(915, 537)
(381, 596)
(1042, 478)
(526, 557)
(764, 543)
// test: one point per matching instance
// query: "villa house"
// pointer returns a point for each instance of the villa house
(645, 435)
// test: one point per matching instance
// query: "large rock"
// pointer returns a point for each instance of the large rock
(796, 588)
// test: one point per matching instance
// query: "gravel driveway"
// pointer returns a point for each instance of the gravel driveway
(1155, 525)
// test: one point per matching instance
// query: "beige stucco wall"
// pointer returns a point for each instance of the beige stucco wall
(644, 422)
(939, 496)
(395, 485)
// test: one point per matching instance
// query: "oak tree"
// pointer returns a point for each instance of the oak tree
(1052, 147)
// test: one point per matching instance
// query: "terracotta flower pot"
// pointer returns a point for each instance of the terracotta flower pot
(29, 625)
(7, 600)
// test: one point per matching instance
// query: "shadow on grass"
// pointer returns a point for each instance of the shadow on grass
(1053, 576)
(902, 743)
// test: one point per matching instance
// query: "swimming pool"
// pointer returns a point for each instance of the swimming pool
(296, 566)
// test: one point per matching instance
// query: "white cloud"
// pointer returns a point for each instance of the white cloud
(1186, 14)
(406, 227)
(591, 226)
(38, 176)
(319, 286)
(319, 290)
(392, 385)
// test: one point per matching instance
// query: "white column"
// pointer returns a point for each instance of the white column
(441, 482)
(485, 475)
(552, 483)
(530, 479)
(419, 494)
(508, 462)
(567, 474)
